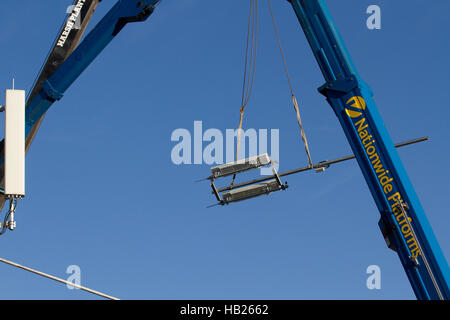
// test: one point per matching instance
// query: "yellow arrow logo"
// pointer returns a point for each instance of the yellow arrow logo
(356, 102)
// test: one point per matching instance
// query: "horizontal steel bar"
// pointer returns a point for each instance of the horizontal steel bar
(315, 166)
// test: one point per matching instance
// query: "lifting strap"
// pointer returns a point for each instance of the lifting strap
(249, 67)
(249, 75)
(294, 100)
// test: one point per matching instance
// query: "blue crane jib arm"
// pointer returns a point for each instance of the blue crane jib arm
(123, 12)
(403, 221)
(46, 92)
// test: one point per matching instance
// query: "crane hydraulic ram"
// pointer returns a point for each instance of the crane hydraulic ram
(403, 221)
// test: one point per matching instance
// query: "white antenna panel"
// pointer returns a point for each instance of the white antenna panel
(15, 143)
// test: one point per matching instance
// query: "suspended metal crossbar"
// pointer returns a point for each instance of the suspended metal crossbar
(257, 187)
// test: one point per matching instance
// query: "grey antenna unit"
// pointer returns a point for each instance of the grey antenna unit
(235, 193)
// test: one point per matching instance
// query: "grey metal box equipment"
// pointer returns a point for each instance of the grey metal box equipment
(240, 166)
(251, 191)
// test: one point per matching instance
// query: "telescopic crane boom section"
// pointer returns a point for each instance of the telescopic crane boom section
(403, 221)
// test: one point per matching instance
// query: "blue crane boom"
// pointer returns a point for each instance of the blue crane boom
(123, 12)
(51, 89)
(403, 222)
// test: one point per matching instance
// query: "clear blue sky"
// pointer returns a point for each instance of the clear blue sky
(102, 192)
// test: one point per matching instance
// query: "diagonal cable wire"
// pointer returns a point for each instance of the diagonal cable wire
(58, 279)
